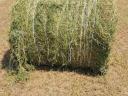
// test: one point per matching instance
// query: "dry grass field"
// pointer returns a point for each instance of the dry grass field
(56, 83)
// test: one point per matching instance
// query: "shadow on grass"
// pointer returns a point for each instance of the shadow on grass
(5, 60)
(84, 71)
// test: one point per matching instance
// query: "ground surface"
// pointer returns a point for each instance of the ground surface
(54, 83)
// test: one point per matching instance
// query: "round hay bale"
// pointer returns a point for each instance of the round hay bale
(61, 32)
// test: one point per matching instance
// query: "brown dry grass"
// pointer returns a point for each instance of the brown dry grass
(54, 83)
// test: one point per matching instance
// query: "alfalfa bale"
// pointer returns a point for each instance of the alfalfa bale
(61, 32)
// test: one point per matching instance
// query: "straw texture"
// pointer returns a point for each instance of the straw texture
(61, 32)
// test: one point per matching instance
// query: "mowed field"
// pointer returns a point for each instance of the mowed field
(55, 83)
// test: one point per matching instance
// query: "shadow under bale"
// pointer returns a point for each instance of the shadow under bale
(6, 62)
(48, 67)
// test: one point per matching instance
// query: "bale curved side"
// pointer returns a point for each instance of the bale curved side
(61, 32)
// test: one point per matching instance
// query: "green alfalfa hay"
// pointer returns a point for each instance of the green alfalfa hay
(61, 32)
